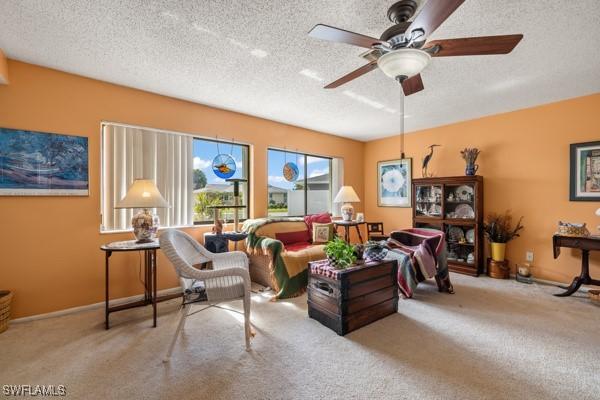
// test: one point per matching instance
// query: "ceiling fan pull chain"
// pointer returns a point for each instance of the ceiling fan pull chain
(401, 122)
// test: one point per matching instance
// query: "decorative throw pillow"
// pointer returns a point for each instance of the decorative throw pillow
(309, 220)
(322, 233)
(293, 237)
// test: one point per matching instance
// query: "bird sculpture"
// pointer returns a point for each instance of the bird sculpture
(427, 159)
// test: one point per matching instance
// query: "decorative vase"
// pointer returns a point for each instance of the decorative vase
(347, 212)
(145, 224)
(498, 251)
(471, 169)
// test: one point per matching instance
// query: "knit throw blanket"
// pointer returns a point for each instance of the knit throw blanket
(288, 284)
(421, 254)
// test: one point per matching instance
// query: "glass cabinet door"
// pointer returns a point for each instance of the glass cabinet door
(461, 242)
(428, 200)
(460, 201)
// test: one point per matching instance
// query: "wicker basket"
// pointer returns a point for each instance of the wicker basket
(594, 296)
(5, 298)
(570, 229)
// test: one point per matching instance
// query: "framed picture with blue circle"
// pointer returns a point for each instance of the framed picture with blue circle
(394, 181)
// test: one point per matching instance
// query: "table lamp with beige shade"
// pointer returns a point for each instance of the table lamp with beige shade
(347, 195)
(143, 194)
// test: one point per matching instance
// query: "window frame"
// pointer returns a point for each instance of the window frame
(247, 146)
(104, 123)
(305, 155)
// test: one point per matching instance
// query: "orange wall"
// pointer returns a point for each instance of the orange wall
(50, 256)
(525, 163)
(3, 69)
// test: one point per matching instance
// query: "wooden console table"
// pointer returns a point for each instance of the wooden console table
(585, 244)
(347, 225)
(150, 296)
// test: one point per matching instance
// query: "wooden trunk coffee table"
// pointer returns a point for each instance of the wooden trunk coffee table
(345, 300)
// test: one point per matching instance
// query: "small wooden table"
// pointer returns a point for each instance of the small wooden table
(150, 296)
(585, 244)
(347, 225)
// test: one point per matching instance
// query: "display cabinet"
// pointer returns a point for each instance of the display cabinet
(453, 205)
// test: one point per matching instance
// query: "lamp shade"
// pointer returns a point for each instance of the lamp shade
(346, 195)
(403, 62)
(143, 194)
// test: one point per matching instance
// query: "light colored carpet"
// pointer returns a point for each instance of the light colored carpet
(491, 340)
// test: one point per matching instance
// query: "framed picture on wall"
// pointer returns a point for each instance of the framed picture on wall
(42, 164)
(585, 172)
(394, 182)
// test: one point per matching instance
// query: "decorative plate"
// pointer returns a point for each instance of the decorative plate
(464, 193)
(470, 235)
(223, 166)
(290, 172)
(464, 211)
(456, 233)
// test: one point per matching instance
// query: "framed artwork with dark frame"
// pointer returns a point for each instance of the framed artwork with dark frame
(394, 183)
(43, 164)
(585, 172)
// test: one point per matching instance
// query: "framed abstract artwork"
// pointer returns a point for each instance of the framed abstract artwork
(394, 182)
(585, 172)
(43, 164)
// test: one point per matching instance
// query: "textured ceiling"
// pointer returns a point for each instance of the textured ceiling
(255, 56)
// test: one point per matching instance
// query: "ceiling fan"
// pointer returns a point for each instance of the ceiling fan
(402, 51)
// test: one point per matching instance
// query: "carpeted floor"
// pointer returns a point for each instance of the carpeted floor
(491, 340)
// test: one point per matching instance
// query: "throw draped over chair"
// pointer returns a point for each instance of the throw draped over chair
(228, 280)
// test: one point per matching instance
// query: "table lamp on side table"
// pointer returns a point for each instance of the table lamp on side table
(145, 195)
(347, 195)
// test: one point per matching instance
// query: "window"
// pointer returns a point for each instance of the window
(209, 189)
(181, 166)
(309, 194)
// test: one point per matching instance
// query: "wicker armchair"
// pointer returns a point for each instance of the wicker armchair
(228, 280)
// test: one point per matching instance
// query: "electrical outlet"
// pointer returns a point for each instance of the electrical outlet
(529, 256)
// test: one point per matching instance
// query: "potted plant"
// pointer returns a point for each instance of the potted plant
(498, 229)
(340, 254)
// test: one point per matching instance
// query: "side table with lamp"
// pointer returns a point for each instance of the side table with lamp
(142, 194)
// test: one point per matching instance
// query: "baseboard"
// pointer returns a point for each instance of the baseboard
(74, 310)
(583, 288)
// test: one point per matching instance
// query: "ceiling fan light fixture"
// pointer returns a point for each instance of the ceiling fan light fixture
(403, 62)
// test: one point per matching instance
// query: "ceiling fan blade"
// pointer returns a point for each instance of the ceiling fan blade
(326, 32)
(353, 75)
(412, 85)
(433, 14)
(474, 46)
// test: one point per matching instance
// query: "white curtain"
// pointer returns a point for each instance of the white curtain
(130, 153)
(337, 181)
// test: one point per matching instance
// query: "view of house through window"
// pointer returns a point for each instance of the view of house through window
(310, 193)
(209, 189)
